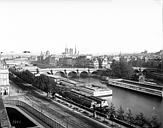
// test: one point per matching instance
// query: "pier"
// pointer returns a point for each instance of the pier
(137, 86)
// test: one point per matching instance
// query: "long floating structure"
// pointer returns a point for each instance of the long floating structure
(148, 88)
(82, 87)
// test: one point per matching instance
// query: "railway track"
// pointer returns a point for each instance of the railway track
(56, 113)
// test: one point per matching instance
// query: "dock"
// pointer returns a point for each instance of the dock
(136, 86)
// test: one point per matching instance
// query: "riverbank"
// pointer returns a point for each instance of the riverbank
(137, 102)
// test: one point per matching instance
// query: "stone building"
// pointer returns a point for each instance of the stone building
(4, 79)
(66, 62)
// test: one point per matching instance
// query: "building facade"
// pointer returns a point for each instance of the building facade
(4, 79)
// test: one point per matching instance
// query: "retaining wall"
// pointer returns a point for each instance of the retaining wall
(52, 123)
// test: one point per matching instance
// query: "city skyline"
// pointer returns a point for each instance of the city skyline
(99, 27)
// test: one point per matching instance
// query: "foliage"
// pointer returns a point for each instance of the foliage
(137, 120)
(49, 85)
(100, 60)
(129, 117)
(111, 111)
(120, 113)
(116, 69)
(140, 119)
(25, 75)
(151, 63)
(154, 122)
(44, 83)
(122, 69)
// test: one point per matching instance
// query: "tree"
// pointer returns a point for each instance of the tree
(45, 83)
(36, 82)
(116, 69)
(28, 76)
(100, 60)
(155, 123)
(122, 69)
(140, 119)
(120, 113)
(129, 117)
(112, 111)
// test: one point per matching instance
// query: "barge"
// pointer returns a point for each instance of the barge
(82, 87)
(143, 87)
(93, 90)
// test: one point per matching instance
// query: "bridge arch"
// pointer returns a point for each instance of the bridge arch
(98, 72)
(84, 74)
(145, 71)
(102, 72)
(94, 72)
(136, 71)
(72, 74)
(60, 73)
(65, 71)
(107, 72)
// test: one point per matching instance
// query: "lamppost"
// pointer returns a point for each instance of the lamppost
(66, 75)
(89, 75)
(78, 74)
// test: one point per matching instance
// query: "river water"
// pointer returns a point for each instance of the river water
(137, 102)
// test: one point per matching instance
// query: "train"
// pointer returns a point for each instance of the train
(91, 102)
(67, 89)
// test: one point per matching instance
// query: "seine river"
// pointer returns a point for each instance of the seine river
(137, 102)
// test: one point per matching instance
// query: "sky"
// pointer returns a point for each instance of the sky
(94, 26)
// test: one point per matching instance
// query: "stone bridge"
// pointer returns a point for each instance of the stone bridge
(69, 72)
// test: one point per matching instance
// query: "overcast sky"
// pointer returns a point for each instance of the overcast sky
(95, 26)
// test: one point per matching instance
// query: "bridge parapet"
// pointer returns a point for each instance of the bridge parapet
(67, 70)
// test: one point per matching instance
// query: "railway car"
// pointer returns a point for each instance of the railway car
(99, 102)
(80, 99)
